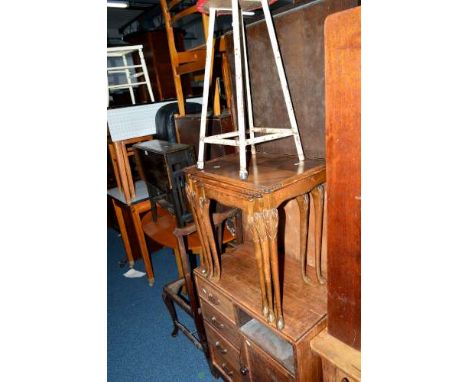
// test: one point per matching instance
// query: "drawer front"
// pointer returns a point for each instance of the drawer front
(262, 368)
(222, 351)
(216, 299)
(221, 323)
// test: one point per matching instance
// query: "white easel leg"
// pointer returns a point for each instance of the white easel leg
(243, 174)
(282, 76)
(206, 88)
(247, 87)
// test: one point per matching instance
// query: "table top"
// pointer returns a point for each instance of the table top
(267, 172)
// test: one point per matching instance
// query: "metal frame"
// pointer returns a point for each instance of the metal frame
(122, 52)
(240, 48)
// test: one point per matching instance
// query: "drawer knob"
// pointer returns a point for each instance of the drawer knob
(345, 379)
(226, 370)
(215, 322)
(213, 299)
(244, 370)
(220, 348)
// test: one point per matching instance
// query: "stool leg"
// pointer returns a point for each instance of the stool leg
(247, 88)
(282, 76)
(243, 174)
(206, 88)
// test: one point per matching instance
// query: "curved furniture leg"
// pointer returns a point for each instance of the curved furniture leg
(205, 221)
(303, 203)
(205, 258)
(318, 199)
(258, 256)
(260, 219)
(271, 219)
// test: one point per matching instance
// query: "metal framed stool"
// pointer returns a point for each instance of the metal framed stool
(238, 138)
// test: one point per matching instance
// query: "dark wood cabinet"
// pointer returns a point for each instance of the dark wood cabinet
(158, 62)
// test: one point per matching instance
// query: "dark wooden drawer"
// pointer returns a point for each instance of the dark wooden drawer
(223, 353)
(262, 368)
(221, 323)
(216, 299)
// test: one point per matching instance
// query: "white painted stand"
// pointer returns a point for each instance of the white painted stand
(238, 138)
(122, 52)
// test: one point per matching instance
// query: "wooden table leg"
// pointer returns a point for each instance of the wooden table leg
(258, 256)
(119, 156)
(128, 170)
(124, 233)
(318, 199)
(135, 211)
(261, 223)
(271, 219)
(205, 258)
(205, 222)
(303, 203)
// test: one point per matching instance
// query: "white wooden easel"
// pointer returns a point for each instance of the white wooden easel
(238, 138)
(122, 52)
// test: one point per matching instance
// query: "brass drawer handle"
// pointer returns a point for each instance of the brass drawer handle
(215, 322)
(213, 299)
(226, 370)
(220, 348)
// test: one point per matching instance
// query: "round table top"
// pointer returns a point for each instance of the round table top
(161, 231)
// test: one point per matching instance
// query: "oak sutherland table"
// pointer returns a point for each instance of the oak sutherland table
(244, 291)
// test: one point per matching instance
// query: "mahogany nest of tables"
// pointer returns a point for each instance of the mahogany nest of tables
(272, 180)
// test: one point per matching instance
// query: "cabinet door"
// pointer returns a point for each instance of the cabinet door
(260, 366)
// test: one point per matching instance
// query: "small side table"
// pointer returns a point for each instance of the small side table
(272, 180)
(137, 206)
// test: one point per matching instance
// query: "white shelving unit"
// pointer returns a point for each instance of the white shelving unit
(136, 75)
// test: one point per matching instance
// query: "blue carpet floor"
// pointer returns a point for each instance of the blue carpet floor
(139, 343)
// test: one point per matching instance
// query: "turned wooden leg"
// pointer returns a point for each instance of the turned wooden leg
(205, 221)
(258, 256)
(271, 219)
(124, 233)
(318, 199)
(204, 257)
(303, 203)
(142, 244)
(260, 225)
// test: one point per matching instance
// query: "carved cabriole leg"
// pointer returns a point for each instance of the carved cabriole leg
(303, 203)
(204, 217)
(271, 220)
(260, 219)
(201, 233)
(317, 197)
(258, 256)
(203, 256)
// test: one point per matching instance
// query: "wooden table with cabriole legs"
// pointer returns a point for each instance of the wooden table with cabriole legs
(272, 180)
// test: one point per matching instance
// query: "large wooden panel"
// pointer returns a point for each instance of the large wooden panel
(343, 136)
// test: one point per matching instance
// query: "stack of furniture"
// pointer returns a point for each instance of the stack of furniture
(340, 344)
(261, 308)
(263, 303)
